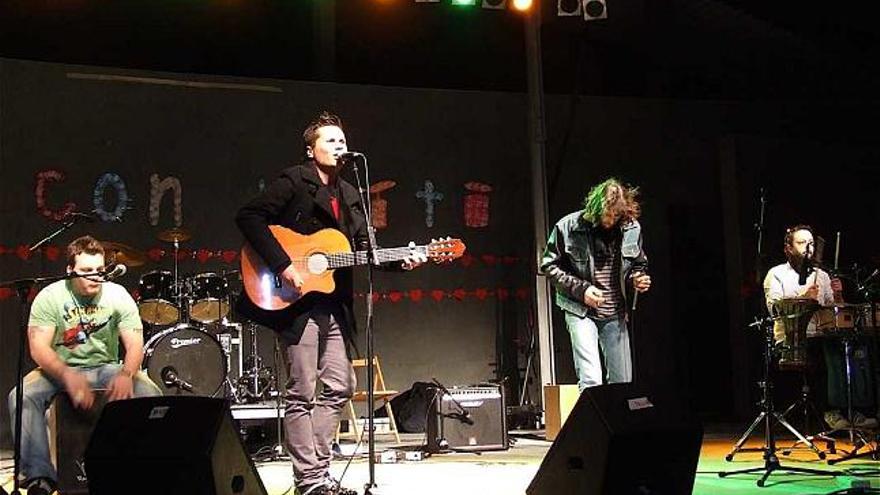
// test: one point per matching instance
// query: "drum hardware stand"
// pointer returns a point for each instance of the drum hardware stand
(856, 436)
(249, 386)
(766, 416)
(805, 404)
(278, 452)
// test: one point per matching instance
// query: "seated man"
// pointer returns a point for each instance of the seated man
(74, 331)
(784, 281)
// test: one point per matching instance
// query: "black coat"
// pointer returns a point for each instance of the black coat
(298, 200)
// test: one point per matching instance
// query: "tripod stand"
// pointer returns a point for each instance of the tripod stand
(857, 437)
(766, 416)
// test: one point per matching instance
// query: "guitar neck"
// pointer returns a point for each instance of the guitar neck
(343, 260)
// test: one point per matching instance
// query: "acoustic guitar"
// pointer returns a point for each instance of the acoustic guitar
(315, 256)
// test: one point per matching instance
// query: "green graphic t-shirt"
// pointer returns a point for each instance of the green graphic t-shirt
(86, 329)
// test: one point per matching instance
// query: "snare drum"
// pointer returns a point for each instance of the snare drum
(156, 296)
(193, 356)
(209, 297)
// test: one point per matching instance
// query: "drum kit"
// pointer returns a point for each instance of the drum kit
(192, 342)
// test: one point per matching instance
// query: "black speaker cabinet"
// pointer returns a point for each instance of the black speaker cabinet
(621, 439)
(170, 444)
(467, 419)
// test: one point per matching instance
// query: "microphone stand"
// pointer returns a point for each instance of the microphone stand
(22, 289)
(372, 260)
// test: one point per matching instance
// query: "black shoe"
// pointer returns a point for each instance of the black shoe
(336, 488)
(40, 486)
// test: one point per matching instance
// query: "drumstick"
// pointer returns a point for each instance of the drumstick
(836, 251)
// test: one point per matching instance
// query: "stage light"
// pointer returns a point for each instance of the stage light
(595, 9)
(464, 3)
(522, 5)
(566, 8)
(494, 4)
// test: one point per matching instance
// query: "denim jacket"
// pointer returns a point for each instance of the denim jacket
(568, 260)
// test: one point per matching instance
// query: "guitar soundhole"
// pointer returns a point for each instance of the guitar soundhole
(317, 263)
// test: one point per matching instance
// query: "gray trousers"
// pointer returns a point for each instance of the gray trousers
(310, 421)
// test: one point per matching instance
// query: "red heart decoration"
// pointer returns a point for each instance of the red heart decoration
(437, 295)
(395, 296)
(488, 259)
(509, 260)
(416, 295)
(522, 293)
(459, 294)
(502, 294)
(467, 260)
(376, 297)
(52, 253)
(229, 256)
(203, 255)
(23, 252)
(481, 294)
(155, 254)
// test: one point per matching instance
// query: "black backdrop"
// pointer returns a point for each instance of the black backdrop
(699, 164)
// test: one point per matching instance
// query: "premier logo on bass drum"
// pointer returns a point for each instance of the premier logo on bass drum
(178, 343)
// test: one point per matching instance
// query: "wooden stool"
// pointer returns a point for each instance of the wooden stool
(380, 393)
(69, 432)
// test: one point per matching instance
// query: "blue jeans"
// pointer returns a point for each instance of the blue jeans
(587, 336)
(39, 390)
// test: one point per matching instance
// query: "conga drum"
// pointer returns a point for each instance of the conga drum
(794, 315)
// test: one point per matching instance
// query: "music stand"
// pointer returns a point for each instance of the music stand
(766, 416)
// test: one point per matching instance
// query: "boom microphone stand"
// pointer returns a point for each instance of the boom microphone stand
(22, 289)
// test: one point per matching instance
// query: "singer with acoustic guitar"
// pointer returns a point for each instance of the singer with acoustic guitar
(74, 330)
(296, 268)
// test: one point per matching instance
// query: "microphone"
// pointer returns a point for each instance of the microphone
(349, 156)
(117, 271)
(170, 379)
(805, 266)
(464, 416)
(635, 292)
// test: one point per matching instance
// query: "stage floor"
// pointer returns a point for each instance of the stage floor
(509, 472)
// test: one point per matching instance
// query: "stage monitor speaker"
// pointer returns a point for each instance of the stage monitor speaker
(169, 444)
(621, 439)
(468, 419)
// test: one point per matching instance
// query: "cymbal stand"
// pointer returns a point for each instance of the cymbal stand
(766, 417)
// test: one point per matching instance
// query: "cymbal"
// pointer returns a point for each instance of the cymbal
(177, 234)
(125, 254)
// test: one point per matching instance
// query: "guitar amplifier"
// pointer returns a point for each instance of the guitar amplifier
(467, 419)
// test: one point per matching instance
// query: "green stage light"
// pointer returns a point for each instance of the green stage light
(464, 3)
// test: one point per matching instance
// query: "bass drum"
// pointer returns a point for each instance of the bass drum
(190, 355)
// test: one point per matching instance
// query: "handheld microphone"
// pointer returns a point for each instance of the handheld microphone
(117, 271)
(805, 266)
(170, 379)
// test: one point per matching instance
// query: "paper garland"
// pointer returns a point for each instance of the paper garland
(431, 196)
(43, 177)
(110, 179)
(157, 191)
